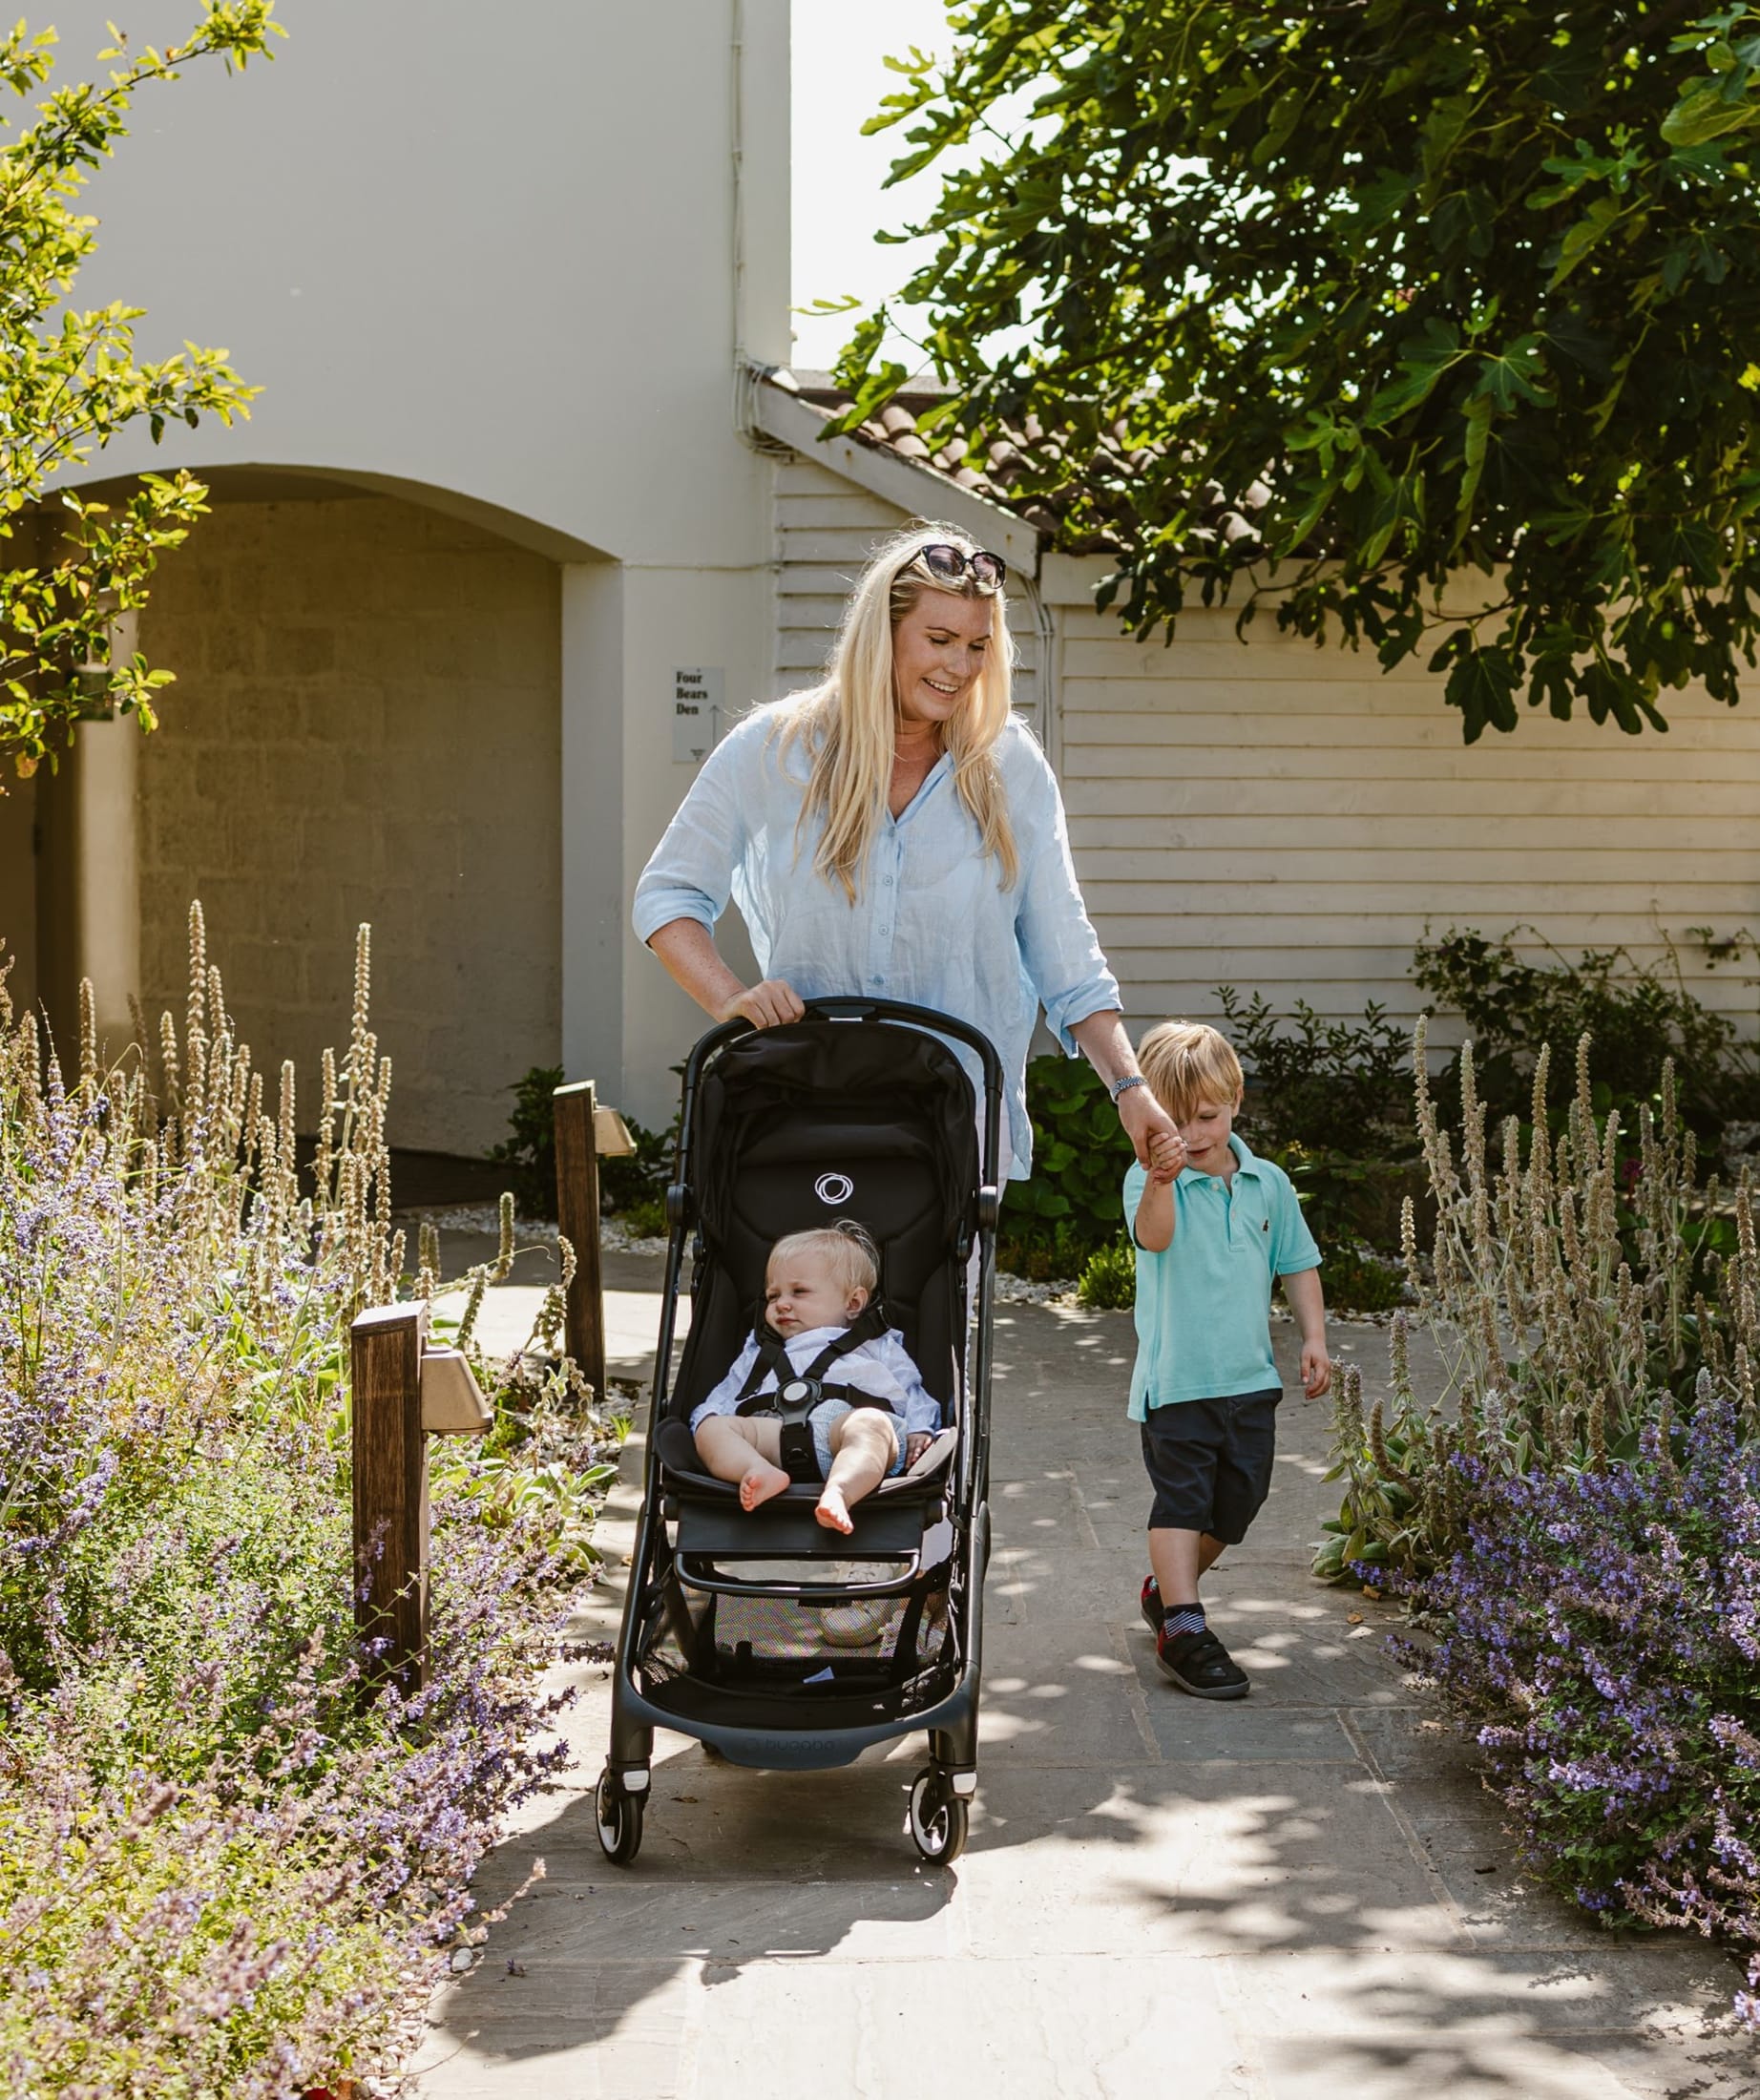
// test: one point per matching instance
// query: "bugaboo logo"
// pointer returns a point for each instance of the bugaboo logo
(834, 1189)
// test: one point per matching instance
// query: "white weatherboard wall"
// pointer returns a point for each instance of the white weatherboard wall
(1288, 820)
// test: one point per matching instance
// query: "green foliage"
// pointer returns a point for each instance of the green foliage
(633, 1181)
(530, 1151)
(635, 1184)
(1108, 1280)
(1357, 1279)
(68, 384)
(1429, 290)
(1073, 1204)
(1638, 1014)
(1331, 1103)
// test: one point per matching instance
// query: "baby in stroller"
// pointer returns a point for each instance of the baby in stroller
(822, 1390)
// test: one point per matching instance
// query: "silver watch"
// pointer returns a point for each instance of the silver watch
(1120, 1087)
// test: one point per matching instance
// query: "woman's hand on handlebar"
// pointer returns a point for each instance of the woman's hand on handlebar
(771, 1005)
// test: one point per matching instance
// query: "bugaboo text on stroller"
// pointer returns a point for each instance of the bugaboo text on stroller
(784, 1645)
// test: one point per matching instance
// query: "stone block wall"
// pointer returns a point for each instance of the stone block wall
(365, 726)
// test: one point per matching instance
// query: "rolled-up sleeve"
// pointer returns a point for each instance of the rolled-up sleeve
(1057, 943)
(690, 872)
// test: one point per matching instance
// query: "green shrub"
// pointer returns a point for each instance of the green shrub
(1108, 1282)
(530, 1151)
(1637, 1013)
(1073, 1205)
(1357, 1279)
(646, 1220)
(1330, 1103)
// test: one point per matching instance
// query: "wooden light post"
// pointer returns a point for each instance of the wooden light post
(401, 1392)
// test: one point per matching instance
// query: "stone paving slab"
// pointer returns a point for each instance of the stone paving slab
(1305, 1896)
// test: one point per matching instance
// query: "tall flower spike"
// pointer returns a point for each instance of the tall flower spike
(88, 1034)
(504, 1253)
(360, 1054)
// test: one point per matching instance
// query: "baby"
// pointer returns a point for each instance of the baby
(817, 1286)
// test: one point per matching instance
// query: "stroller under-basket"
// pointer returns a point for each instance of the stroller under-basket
(782, 1643)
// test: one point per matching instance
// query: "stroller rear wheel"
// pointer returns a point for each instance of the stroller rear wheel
(618, 1813)
(938, 1817)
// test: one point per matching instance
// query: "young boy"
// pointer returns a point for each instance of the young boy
(1213, 1227)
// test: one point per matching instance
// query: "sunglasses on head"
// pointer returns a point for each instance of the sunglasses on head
(947, 563)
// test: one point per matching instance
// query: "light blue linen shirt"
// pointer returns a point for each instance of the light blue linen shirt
(933, 923)
(1204, 1302)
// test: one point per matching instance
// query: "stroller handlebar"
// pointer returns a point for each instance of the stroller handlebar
(850, 1008)
(861, 1009)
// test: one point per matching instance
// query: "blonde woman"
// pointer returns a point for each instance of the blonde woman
(895, 831)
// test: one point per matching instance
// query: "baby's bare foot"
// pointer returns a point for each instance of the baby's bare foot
(834, 1512)
(760, 1481)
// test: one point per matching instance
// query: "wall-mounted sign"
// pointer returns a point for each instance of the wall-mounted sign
(699, 713)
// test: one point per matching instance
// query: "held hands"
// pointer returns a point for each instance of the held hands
(1316, 1369)
(1166, 1156)
(767, 1005)
(1144, 1118)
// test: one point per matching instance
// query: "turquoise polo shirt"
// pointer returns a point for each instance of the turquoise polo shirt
(1203, 1305)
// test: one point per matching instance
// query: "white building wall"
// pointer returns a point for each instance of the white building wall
(1286, 820)
(488, 252)
(503, 264)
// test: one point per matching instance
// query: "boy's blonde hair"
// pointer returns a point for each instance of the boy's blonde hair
(845, 1247)
(1187, 1063)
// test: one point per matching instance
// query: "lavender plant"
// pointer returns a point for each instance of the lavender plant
(220, 1871)
(1574, 1286)
(1600, 1639)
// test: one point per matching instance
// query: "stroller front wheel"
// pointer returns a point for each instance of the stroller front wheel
(938, 1817)
(618, 1813)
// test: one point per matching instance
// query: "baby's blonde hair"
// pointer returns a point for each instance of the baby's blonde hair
(1186, 1064)
(846, 1249)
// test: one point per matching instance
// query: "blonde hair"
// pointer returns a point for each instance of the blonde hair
(846, 723)
(1186, 1064)
(845, 1247)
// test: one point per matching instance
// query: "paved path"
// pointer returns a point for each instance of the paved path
(1302, 1897)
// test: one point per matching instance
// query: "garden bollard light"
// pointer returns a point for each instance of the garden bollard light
(401, 1393)
(584, 1130)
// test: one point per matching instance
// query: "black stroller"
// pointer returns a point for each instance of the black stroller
(784, 1645)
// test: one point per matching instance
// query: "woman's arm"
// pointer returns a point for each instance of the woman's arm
(685, 886)
(1108, 1048)
(694, 963)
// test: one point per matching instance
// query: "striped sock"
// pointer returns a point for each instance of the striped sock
(1182, 1619)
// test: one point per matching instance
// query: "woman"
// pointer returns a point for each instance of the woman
(896, 832)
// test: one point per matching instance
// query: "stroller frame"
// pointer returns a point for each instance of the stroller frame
(889, 1526)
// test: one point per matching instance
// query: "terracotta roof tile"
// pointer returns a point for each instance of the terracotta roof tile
(1110, 469)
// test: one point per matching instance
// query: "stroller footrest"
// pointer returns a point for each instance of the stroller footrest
(783, 1530)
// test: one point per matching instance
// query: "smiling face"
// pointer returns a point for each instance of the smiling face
(802, 1288)
(939, 648)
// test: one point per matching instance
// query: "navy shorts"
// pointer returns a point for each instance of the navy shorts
(1209, 1463)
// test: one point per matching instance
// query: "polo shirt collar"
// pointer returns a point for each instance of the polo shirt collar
(1245, 1161)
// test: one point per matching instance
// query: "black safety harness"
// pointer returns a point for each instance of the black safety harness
(799, 1395)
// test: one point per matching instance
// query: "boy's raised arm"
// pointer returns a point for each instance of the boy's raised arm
(1153, 1223)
